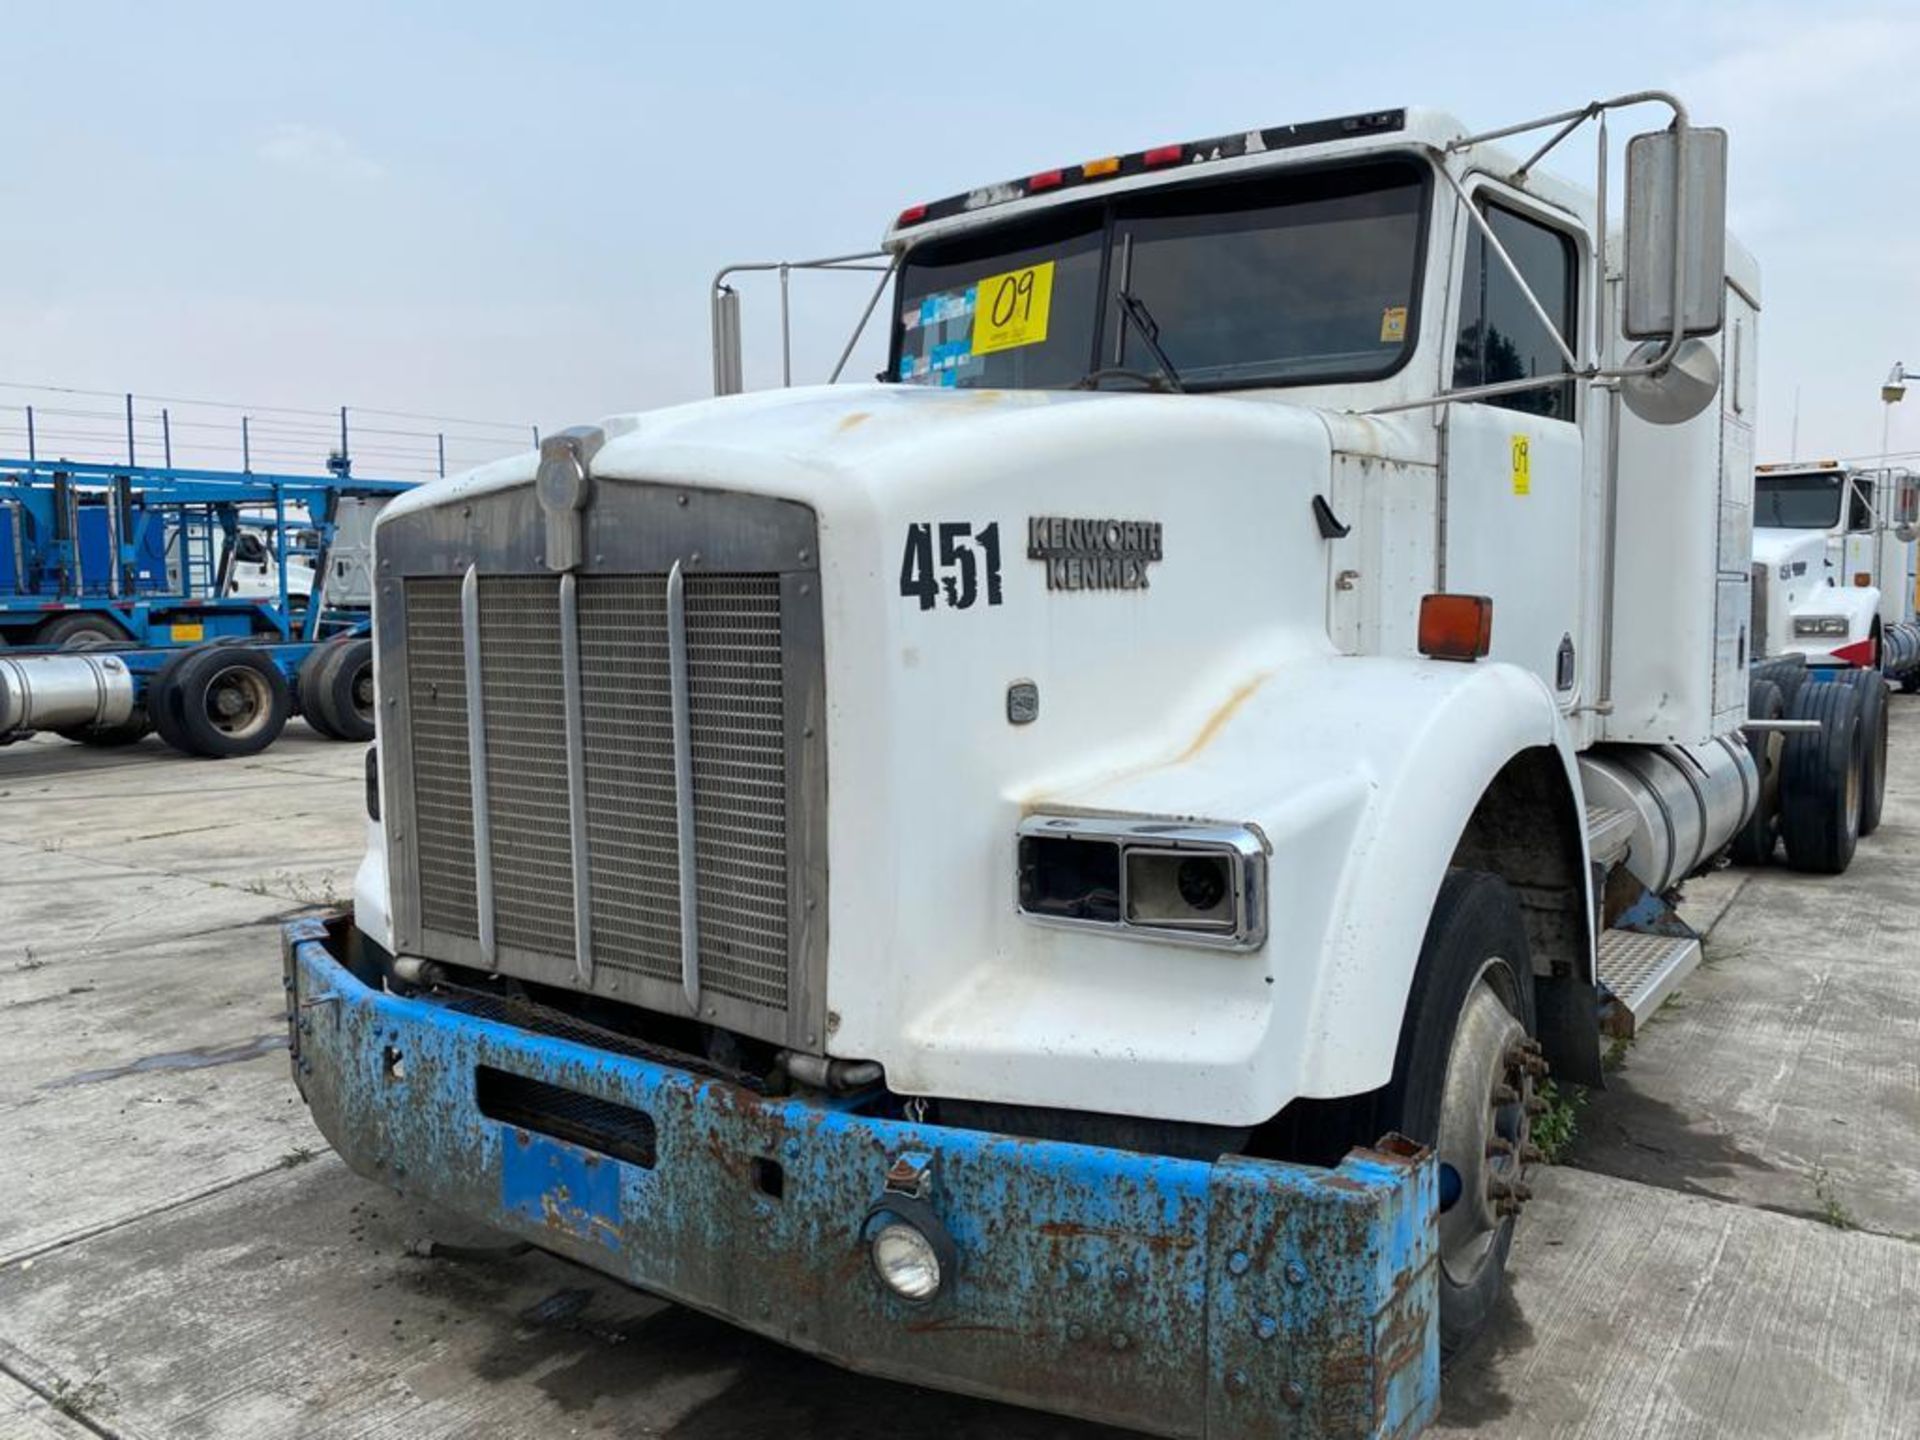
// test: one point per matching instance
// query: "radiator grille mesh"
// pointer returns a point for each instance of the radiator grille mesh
(737, 708)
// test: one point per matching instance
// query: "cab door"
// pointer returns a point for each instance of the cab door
(1514, 481)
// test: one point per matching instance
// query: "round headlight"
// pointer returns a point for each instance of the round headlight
(905, 1261)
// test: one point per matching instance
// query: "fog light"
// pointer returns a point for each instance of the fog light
(906, 1261)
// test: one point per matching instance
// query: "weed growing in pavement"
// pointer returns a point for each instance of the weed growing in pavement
(299, 1155)
(76, 1401)
(1554, 1127)
(29, 961)
(1616, 1055)
(1832, 1211)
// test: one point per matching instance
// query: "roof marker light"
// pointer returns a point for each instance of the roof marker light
(1045, 180)
(913, 214)
(1163, 155)
(1094, 169)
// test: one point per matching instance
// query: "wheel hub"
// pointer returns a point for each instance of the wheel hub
(1486, 1121)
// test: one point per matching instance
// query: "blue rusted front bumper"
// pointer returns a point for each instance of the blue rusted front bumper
(1239, 1298)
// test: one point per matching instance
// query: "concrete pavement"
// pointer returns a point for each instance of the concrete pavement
(1729, 1252)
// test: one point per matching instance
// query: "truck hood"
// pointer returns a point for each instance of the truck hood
(1132, 566)
(1775, 548)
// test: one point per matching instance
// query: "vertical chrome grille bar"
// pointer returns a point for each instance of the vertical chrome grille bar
(576, 778)
(683, 784)
(477, 763)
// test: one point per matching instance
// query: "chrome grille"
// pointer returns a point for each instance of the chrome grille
(739, 723)
(526, 761)
(442, 792)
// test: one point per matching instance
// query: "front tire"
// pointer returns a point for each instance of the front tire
(1463, 1084)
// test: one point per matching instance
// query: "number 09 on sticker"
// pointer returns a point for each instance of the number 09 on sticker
(1010, 309)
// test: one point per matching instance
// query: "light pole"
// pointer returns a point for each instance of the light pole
(1891, 393)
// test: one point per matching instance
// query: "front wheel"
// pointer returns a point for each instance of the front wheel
(1463, 1083)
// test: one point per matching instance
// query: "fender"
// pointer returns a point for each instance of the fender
(1363, 773)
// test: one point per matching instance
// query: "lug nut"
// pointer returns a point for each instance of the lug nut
(1531, 1154)
(1536, 1106)
(1499, 1145)
(1505, 1094)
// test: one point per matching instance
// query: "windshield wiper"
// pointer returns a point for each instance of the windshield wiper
(1136, 311)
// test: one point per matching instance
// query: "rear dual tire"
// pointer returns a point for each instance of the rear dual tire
(220, 701)
(335, 687)
(1822, 778)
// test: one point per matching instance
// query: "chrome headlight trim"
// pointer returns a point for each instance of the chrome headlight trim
(1245, 846)
(1823, 626)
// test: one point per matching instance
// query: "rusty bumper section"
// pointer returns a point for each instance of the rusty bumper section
(1235, 1299)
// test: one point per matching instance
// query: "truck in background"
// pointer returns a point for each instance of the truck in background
(1059, 875)
(184, 601)
(1834, 566)
(1833, 601)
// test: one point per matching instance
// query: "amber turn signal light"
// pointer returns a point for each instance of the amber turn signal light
(1455, 627)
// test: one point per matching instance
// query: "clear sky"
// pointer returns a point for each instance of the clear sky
(512, 211)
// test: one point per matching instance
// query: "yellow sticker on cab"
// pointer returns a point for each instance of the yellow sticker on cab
(1522, 467)
(1010, 309)
(1393, 324)
(193, 631)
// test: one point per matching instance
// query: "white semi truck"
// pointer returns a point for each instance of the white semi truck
(1834, 565)
(1058, 874)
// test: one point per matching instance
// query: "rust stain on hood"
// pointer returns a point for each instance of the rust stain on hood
(1217, 721)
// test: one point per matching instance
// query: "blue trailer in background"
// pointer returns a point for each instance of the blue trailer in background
(206, 605)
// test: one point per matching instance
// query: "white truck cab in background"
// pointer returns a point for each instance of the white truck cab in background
(1834, 566)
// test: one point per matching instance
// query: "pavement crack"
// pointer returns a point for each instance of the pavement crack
(1792, 1212)
(165, 1207)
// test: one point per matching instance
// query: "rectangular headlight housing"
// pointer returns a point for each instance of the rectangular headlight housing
(1822, 625)
(1187, 882)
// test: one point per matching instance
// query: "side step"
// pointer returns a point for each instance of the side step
(1609, 833)
(1639, 972)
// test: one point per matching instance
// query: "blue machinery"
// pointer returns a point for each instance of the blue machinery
(141, 554)
(1235, 1298)
(121, 580)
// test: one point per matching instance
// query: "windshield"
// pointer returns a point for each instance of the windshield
(1796, 502)
(1286, 279)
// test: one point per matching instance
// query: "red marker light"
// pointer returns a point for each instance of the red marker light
(912, 215)
(1045, 180)
(1455, 627)
(1163, 155)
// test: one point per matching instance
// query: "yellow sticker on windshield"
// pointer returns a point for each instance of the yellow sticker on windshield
(1393, 324)
(1010, 309)
(1522, 467)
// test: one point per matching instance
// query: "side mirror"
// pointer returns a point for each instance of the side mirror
(1906, 534)
(1655, 248)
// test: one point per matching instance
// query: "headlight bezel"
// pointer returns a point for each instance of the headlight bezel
(1821, 627)
(1139, 840)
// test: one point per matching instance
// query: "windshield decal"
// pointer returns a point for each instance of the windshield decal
(1011, 308)
(945, 321)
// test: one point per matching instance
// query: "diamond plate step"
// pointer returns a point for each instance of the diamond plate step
(1609, 833)
(1641, 971)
